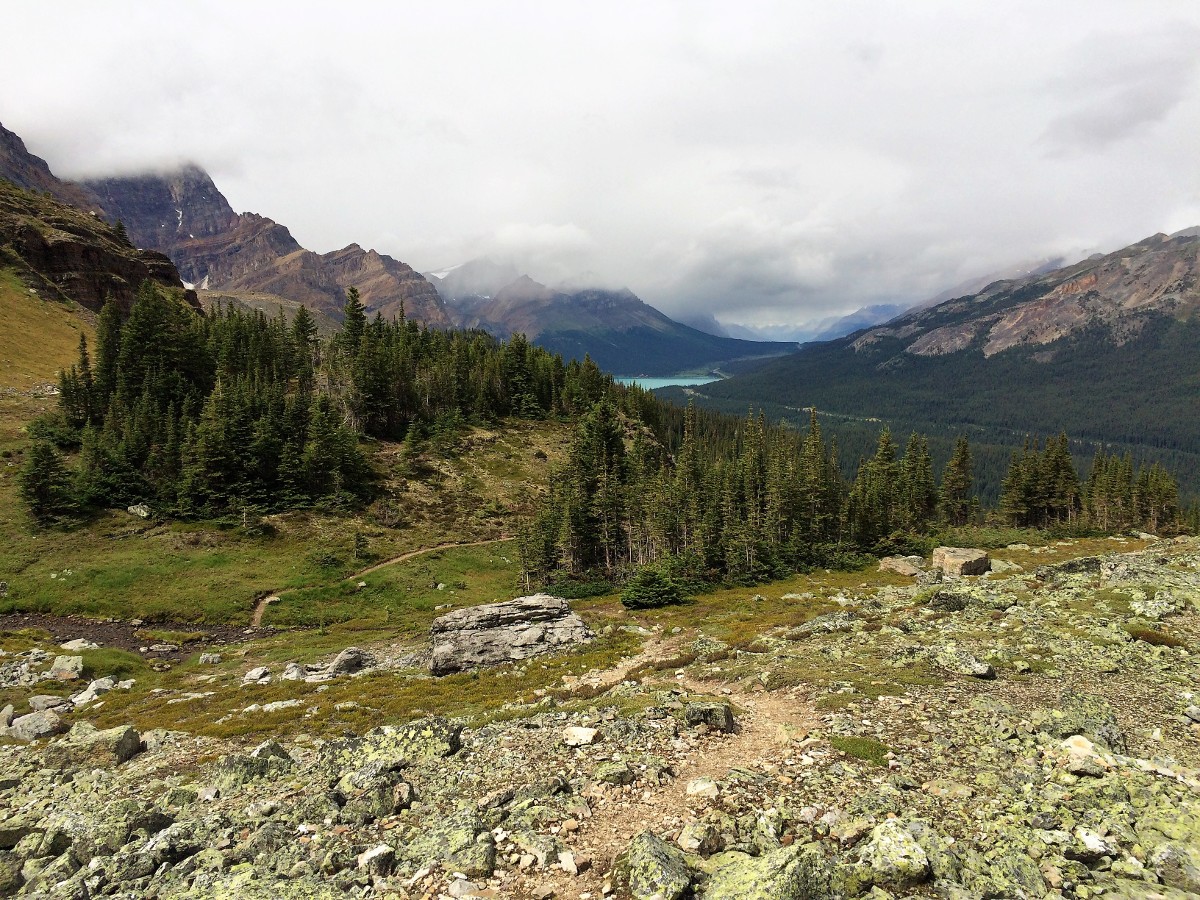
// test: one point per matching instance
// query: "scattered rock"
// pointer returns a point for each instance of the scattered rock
(496, 633)
(651, 869)
(961, 561)
(901, 565)
(79, 644)
(718, 716)
(790, 873)
(66, 668)
(579, 736)
(960, 662)
(210, 659)
(349, 661)
(257, 675)
(35, 725)
(84, 744)
(895, 857)
(141, 510)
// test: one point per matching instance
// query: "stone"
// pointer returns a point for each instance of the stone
(946, 600)
(798, 872)
(86, 745)
(1082, 758)
(704, 788)
(900, 565)
(960, 662)
(37, 725)
(826, 623)
(1193, 713)
(141, 510)
(349, 661)
(718, 716)
(894, 856)
(66, 668)
(613, 772)
(651, 869)
(497, 633)
(1080, 714)
(210, 659)
(699, 837)
(1178, 865)
(961, 561)
(294, 672)
(461, 842)
(378, 860)
(257, 675)
(391, 747)
(79, 644)
(578, 736)
(40, 702)
(7, 715)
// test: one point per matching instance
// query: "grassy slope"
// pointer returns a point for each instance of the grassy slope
(40, 336)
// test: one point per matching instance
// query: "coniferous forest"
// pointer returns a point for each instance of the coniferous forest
(203, 416)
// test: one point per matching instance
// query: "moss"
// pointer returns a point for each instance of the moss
(862, 748)
(1154, 637)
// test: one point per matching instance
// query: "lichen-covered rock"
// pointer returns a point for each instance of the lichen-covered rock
(235, 770)
(392, 747)
(894, 855)
(960, 662)
(66, 668)
(496, 633)
(84, 744)
(613, 772)
(790, 873)
(1178, 865)
(909, 566)
(1082, 714)
(826, 623)
(462, 842)
(349, 661)
(651, 869)
(718, 716)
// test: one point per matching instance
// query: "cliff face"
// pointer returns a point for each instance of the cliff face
(74, 254)
(183, 214)
(166, 212)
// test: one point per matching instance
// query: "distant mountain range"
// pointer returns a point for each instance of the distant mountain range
(620, 332)
(1105, 348)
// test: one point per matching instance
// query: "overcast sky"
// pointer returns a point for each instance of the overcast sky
(766, 162)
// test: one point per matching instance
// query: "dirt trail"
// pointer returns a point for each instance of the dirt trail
(767, 724)
(260, 605)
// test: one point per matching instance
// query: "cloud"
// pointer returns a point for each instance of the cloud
(764, 162)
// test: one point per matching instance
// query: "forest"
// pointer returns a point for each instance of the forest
(208, 416)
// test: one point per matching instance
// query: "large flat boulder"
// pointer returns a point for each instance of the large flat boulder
(497, 633)
(961, 561)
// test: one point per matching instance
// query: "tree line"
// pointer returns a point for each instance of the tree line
(762, 501)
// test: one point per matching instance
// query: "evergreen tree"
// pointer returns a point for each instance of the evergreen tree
(45, 486)
(956, 485)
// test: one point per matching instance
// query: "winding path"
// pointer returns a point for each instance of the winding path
(260, 606)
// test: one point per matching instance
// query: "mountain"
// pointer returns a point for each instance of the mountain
(1104, 348)
(61, 252)
(620, 332)
(182, 213)
(825, 329)
(32, 173)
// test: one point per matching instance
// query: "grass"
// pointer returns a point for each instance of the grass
(862, 748)
(40, 336)
(1154, 637)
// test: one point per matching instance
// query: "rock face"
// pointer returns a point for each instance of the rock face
(183, 214)
(31, 173)
(67, 253)
(497, 633)
(961, 561)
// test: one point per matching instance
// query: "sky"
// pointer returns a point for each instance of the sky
(761, 162)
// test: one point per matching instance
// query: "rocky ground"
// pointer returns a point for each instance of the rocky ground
(1029, 733)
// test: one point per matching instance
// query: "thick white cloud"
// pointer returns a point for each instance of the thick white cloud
(767, 162)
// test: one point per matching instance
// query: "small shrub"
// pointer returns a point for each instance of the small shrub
(1155, 638)
(650, 589)
(862, 748)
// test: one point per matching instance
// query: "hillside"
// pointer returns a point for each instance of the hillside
(619, 331)
(1104, 348)
(183, 215)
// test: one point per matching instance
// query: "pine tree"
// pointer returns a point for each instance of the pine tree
(354, 322)
(956, 484)
(45, 486)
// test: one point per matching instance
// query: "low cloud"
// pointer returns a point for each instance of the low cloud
(764, 163)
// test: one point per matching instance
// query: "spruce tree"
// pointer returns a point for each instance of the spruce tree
(45, 486)
(956, 484)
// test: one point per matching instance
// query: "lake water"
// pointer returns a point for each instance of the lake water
(651, 384)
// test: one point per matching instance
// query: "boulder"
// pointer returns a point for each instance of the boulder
(496, 633)
(7, 715)
(718, 716)
(86, 745)
(141, 510)
(578, 735)
(960, 662)
(349, 661)
(790, 873)
(257, 675)
(961, 561)
(79, 644)
(36, 725)
(895, 857)
(901, 565)
(66, 668)
(652, 869)
(40, 702)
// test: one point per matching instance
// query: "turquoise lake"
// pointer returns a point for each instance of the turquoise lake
(651, 384)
